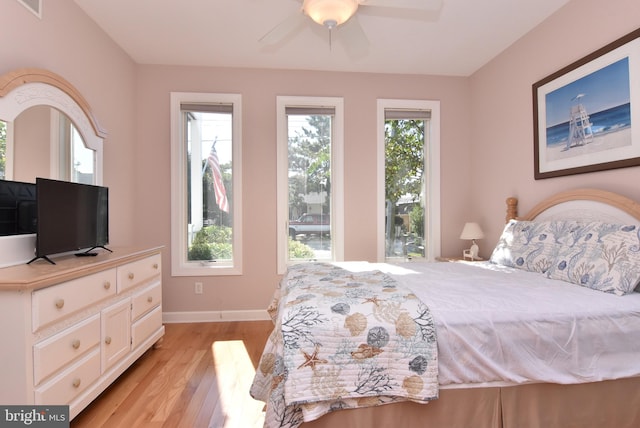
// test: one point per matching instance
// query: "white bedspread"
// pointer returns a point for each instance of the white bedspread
(500, 326)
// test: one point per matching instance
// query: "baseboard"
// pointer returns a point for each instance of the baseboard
(215, 316)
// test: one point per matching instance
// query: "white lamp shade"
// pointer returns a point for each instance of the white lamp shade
(330, 12)
(472, 231)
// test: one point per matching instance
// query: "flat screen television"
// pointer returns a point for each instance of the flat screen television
(71, 217)
(17, 208)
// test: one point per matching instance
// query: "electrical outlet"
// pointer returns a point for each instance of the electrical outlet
(198, 288)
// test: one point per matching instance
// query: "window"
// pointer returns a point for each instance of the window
(76, 162)
(409, 183)
(206, 163)
(310, 180)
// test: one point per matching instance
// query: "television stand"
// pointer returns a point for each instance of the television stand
(85, 253)
(41, 257)
(98, 246)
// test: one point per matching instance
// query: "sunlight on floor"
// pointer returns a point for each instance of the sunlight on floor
(235, 373)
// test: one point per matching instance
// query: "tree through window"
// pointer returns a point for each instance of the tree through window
(309, 183)
(404, 168)
(310, 179)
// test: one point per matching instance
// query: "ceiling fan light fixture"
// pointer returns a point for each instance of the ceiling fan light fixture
(330, 13)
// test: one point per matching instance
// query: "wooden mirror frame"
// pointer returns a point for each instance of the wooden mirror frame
(29, 87)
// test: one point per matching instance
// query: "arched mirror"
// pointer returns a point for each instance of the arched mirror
(37, 128)
(46, 130)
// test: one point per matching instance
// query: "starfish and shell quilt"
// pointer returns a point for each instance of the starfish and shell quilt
(344, 339)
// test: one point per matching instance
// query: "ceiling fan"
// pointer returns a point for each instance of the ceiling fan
(341, 15)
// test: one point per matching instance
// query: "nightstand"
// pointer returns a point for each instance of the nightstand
(457, 259)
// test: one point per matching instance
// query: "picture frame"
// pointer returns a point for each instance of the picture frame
(587, 115)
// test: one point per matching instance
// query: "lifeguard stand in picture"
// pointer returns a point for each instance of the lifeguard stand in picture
(580, 132)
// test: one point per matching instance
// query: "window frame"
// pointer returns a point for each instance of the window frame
(431, 176)
(180, 266)
(337, 174)
(62, 145)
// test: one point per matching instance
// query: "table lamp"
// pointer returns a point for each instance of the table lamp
(471, 231)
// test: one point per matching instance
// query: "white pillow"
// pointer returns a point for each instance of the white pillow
(531, 245)
(602, 256)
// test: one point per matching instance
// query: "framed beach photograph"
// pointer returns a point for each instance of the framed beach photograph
(587, 115)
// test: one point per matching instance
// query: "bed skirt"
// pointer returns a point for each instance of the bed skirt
(613, 403)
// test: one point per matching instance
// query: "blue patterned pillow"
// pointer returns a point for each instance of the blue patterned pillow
(530, 245)
(601, 256)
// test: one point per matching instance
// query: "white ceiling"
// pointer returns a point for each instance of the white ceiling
(456, 40)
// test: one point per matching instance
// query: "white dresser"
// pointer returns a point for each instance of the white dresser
(68, 330)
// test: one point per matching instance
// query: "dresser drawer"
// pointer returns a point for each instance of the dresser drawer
(116, 333)
(58, 301)
(145, 300)
(57, 351)
(138, 272)
(146, 326)
(63, 388)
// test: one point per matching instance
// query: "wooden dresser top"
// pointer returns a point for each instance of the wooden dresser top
(41, 273)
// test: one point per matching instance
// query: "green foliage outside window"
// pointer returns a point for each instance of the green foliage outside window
(310, 162)
(211, 243)
(404, 181)
(404, 153)
(416, 217)
(298, 250)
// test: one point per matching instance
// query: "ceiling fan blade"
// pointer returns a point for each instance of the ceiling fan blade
(405, 4)
(353, 38)
(284, 29)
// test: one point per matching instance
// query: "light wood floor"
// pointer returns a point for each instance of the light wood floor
(198, 376)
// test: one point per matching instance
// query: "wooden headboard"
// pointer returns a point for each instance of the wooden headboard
(581, 204)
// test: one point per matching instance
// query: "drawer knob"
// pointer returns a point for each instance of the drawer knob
(150, 299)
(107, 285)
(59, 303)
(107, 340)
(130, 275)
(75, 344)
(155, 265)
(76, 382)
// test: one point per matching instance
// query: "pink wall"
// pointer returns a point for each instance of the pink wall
(259, 89)
(502, 119)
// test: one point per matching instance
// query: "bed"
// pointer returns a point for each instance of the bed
(545, 334)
